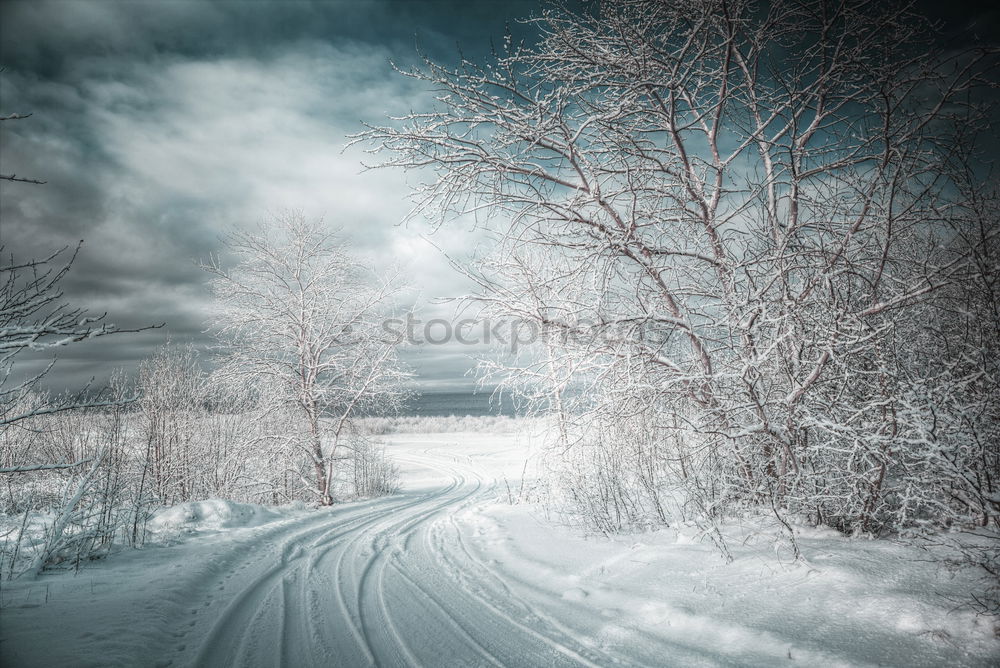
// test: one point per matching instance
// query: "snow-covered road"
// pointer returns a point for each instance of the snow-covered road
(386, 582)
(391, 583)
(447, 574)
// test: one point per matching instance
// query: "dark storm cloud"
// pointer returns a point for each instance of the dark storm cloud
(53, 35)
(158, 125)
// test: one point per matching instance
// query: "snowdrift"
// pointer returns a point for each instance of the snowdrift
(214, 515)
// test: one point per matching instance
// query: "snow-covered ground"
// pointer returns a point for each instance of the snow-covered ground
(448, 574)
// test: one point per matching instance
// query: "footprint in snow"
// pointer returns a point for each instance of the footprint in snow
(575, 594)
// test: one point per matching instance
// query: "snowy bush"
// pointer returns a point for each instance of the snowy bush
(372, 473)
(190, 436)
(92, 503)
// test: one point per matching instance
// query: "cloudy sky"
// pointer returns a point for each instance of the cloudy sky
(158, 125)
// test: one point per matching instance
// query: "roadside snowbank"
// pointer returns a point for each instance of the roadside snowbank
(849, 602)
(215, 515)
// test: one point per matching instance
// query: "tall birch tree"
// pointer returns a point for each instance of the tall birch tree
(298, 314)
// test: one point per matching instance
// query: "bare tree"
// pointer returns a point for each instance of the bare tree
(75, 440)
(173, 410)
(34, 317)
(297, 313)
(14, 177)
(719, 215)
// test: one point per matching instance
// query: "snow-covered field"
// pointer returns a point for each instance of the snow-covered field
(447, 573)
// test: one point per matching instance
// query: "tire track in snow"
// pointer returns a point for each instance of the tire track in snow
(225, 638)
(386, 584)
(398, 534)
(367, 556)
(581, 654)
(354, 617)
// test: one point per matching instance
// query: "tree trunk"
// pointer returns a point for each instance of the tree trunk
(319, 462)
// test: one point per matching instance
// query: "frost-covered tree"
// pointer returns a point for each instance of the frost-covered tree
(300, 316)
(728, 220)
(35, 318)
(62, 452)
